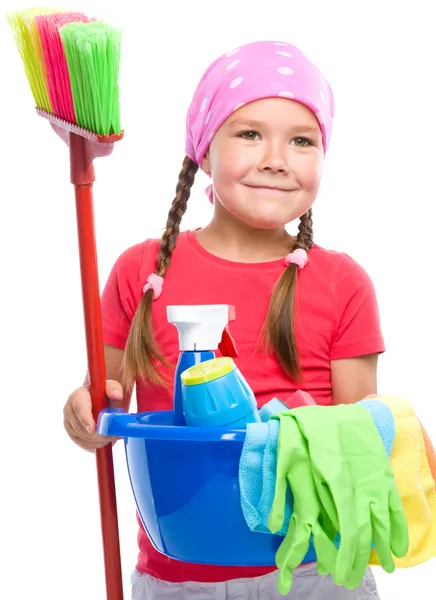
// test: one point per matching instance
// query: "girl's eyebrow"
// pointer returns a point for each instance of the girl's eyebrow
(246, 123)
(260, 124)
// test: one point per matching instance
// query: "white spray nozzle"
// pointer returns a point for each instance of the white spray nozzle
(200, 327)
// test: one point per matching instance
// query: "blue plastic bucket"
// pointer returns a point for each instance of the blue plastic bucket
(185, 481)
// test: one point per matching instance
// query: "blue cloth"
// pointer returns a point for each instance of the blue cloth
(257, 476)
(383, 420)
(273, 407)
(258, 465)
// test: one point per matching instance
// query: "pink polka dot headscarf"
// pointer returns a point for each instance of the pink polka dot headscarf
(252, 72)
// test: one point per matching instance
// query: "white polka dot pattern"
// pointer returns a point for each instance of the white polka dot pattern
(285, 71)
(236, 82)
(232, 65)
(286, 94)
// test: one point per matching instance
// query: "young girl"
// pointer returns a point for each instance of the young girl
(259, 125)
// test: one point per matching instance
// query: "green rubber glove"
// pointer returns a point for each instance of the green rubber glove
(294, 469)
(356, 486)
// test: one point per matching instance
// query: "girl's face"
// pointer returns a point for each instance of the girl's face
(266, 162)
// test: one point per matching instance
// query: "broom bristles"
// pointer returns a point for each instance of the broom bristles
(58, 79)
(26, 37)
(72, 66)
(93, 56)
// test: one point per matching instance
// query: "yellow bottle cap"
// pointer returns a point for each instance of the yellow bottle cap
(209, 370)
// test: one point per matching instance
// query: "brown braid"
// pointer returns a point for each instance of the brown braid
(142, 353)
(278, 331)
(176, 212)
(305, 232)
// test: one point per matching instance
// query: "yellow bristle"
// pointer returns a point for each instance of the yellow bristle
(27, 40)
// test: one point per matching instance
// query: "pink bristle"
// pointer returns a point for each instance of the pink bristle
(58, 78)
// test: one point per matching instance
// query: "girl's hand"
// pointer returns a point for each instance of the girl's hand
(78, 419)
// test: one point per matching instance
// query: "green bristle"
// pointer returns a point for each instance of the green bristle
(93, 51)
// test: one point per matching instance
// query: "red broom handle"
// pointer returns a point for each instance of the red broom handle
(82, 177)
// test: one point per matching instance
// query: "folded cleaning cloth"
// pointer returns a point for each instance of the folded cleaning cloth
(429, 450)
(257, 476)
(258, 466)
(276, 406)
(410, 460)
(383, 420)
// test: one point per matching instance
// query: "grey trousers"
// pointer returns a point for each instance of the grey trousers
(307, 585)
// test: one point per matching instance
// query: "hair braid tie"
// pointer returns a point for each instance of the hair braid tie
(155, 283)
(297, 257)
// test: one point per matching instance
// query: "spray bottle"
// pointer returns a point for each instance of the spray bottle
(202, 330)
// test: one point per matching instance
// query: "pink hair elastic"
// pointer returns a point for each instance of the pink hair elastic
(297, 257)
(155, 283)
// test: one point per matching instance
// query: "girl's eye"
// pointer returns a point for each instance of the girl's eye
(304, 142)
(249, 135)
(300, 142)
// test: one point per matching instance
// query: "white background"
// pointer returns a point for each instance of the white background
(377, 203)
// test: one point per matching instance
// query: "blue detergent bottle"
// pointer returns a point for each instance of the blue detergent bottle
(202, 329)
(215, 394)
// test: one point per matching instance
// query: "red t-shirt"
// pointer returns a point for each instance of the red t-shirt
(336, 316)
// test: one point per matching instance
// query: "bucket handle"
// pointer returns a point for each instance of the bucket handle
(116, 422)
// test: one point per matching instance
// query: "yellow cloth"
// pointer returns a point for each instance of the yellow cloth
(429, 450)
(415, 483)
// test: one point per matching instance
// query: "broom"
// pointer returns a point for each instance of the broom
(72, 66)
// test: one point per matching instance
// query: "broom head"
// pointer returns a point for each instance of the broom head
(72, 64)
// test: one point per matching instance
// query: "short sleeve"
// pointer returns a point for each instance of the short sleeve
(120, 297)
(358, 331)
